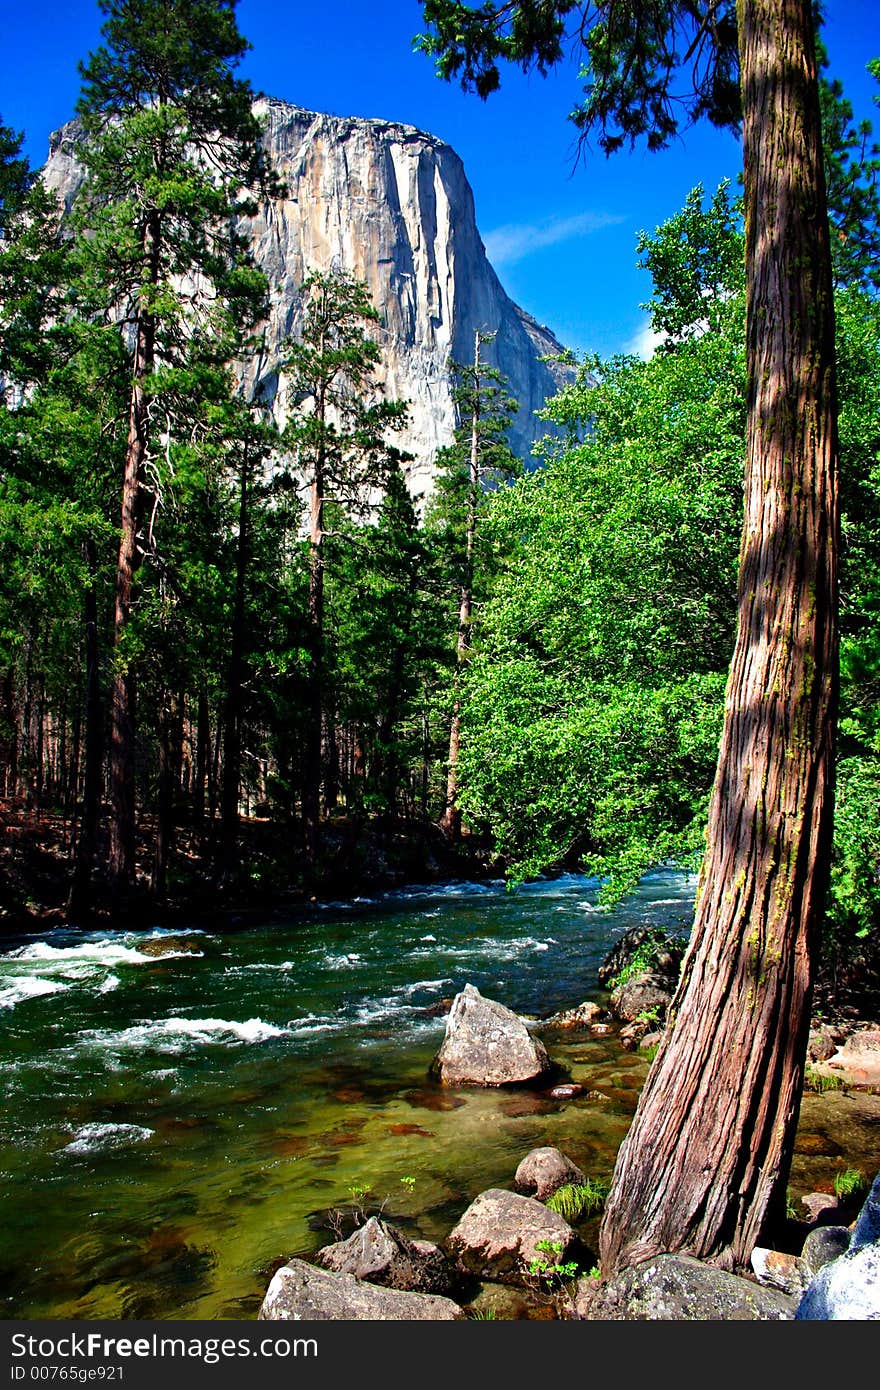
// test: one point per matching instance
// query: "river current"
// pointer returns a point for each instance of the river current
(182, 1109)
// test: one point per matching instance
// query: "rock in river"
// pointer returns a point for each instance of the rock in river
(487, 1045)
(300, 1292)
(380, 1254)
(499, 1235)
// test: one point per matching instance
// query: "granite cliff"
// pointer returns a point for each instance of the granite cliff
(391, 205)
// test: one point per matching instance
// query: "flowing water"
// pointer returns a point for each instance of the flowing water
(182, 1110)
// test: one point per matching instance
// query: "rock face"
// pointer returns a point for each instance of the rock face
(848, 1288)
(300, 1292)
(543, 1171)
(487, 1045)
(380, 1254)
(677, 1288)
(498, 1236)
(391, 205)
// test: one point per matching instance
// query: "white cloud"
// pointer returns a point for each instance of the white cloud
(507, 245)
(645, 342)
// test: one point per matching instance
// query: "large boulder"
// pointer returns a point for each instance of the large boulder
(301, 1292)
(848, 1288)
(487, 1045)
(639, 950)
(499, 1235)
(380, 1254)
(543, 1171)
(677, 1288)
(643, 998)
(642, 971)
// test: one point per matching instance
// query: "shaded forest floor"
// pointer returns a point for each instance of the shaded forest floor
(358, 856)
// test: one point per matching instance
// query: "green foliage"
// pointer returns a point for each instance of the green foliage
(552, 1273)
(849, 1182)
(641, 961)
(574, 1201)
(594, 695)
(15, 175)
(637, 81)
(819, 1082)
(697, 264)
(852, 175)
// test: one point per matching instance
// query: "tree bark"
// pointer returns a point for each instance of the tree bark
(80, 903)
(311, 800)
(235, 678)
(121, 864)
(705, 1164)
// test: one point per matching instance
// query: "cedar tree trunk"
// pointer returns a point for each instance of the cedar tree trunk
(707, 1158)
(122, 712)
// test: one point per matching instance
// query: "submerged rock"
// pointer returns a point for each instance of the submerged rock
(678, 1288)
(499, 1235)
(543, 1171)
(300, 1292)
(487, 1045)
(380, 1254)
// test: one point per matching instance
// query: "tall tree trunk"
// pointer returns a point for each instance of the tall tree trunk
(170, 753)
(235, 679)
(311, 800)
(450, 822)
(203, 753)
(705, 1164)
(10, 734)
(121, 864)
(80, 903)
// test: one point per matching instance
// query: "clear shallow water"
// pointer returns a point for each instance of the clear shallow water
(177, 1124)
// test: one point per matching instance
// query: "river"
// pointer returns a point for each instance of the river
(178, 1123)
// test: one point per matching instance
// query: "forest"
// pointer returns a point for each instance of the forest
(239, 663)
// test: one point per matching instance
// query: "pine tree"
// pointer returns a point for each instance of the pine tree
(171, 152)
(336, 439)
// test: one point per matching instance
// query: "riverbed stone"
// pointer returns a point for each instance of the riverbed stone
(848, 1288)
(498, 1236)
(823, 1245)
(488, 1045)
(381, 1254)
(302, 1292)
(678, 1288)
(819, 1205)
(582, 1016)
(644, 999)
(543, 1171)
(779, 1270)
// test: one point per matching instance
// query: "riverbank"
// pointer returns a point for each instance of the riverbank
(359, 856)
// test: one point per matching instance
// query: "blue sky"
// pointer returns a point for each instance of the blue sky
(562, 238)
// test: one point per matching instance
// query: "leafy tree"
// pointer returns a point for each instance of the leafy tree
(693, 1174)
(594, 695)
(171, 147)
(336, 439)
